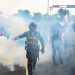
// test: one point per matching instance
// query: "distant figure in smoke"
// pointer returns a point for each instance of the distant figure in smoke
(3, 32)
(32, 47)
(73, 26)
(56, 34)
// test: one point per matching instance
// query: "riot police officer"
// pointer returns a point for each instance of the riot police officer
(32, 47)
(56, 35)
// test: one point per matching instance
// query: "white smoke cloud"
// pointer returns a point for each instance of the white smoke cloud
(17, 25)
(11, 54)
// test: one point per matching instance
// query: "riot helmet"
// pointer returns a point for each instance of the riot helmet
(62, 12)
(32, 26)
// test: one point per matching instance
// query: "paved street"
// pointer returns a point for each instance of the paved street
(48, 68)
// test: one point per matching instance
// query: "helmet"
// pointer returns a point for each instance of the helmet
(62, 12)
(32, 25)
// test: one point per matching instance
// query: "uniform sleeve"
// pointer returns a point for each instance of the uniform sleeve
(41, 40)
(21, 36)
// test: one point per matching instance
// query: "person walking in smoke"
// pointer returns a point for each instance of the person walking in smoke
(56, 36)
(32, 47)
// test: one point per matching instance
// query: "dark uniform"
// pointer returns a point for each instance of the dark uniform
(32, 47)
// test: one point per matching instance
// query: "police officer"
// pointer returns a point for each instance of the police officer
(32, 47)
(56, 36)
(56, 43)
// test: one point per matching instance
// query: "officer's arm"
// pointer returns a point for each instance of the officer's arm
(41, 41)
(21, 36)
